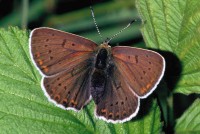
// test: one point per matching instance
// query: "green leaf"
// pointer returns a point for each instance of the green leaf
(189, 122)
(25, 109)
(173, 26)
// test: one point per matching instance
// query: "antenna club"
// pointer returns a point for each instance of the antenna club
(133, 21)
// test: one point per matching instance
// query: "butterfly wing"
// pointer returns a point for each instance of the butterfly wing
(70, 89)
(118, 103)
(142, 69)
(66, 61)
(54, 51)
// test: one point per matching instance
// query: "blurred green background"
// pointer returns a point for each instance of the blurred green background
(75, 16)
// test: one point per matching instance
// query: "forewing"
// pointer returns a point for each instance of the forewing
(54, 51)
(142, 69)
(118, 103)
(70, 89)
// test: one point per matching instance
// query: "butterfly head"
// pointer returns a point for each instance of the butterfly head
(104, 46)
(103, 55)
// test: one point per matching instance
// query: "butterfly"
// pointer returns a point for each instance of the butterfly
(76, 70)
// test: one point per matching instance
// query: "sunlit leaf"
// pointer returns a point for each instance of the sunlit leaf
(189, 122)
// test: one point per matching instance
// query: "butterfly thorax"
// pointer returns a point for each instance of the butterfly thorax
(103, 55)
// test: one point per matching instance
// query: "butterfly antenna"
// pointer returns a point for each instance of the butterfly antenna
(92, 11)
(120, 31)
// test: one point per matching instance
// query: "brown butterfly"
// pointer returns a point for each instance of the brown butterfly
(76, 70)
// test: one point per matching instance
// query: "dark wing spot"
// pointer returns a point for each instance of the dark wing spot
(110, 115)
(73, 44)
(49, 51)
(64, 102)
(144, 72)
(57, 98)
(136, 58)
(51, 57)
(117, 115)
(64, 41)
(47, 40)
(72, 104)
(37, 55)
(52, 91)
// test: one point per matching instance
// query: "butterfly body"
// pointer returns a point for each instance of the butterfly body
(101, 72)
(76, 70)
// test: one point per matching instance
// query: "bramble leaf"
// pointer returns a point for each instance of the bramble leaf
(189, 122)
